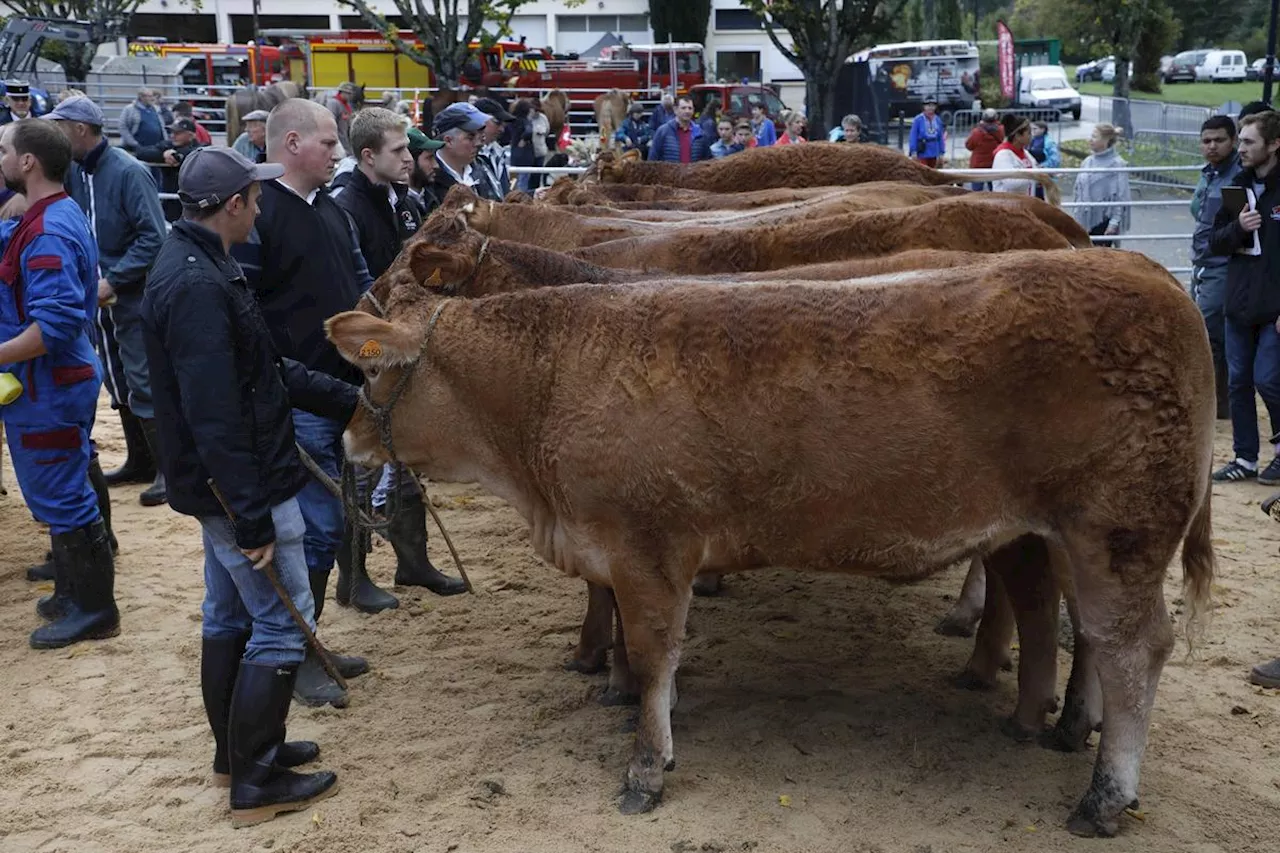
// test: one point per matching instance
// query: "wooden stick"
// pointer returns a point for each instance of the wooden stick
(270, 571)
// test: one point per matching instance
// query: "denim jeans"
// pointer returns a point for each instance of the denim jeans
(322, 512)
(1253, 362)
(239, 600)
(1209, 287)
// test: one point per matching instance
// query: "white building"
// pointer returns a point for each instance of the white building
(736, 43)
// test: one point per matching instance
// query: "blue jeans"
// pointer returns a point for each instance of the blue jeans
(322, 439)
(1253, 362)
(239, 600)
(1209, 288)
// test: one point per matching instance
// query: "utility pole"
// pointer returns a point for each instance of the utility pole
(1268, 70)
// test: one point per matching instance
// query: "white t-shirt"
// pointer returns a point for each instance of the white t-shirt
(1007, 160)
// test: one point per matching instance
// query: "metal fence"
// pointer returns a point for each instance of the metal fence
(963, 122)
(1149, 116)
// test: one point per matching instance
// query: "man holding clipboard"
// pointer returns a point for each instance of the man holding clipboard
(1247, 232)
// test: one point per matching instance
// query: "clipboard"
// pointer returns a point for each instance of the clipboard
(1236, 200)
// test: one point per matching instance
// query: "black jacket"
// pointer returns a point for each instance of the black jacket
(382, 230)
(1253, 282)
(222, 394)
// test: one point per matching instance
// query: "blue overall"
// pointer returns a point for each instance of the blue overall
(49, 275)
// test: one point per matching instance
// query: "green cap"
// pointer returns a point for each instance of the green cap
(419, 142)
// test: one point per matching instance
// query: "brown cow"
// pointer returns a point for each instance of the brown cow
(655, 197)
(792, 166)
(1030, 405)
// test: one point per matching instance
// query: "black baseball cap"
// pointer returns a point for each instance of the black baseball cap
(186, 124)
(491, 107)
(210, 176)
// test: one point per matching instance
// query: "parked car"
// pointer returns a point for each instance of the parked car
(1254, 72)
(1091, 72)
(1183, 67)
(1046, 87)
(1109, 71)
(1222, 66)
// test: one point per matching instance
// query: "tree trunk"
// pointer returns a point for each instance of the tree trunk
(77, 64)
(820, 100)
(929, 8)
(1121, 115)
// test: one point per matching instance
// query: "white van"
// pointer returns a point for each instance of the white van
(1046, 87)
(1223, 66)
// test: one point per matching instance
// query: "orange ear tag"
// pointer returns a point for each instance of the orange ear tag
(371, 349)
(433, 280)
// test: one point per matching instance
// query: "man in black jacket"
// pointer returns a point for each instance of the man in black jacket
(458, 127)
(1252, 302)
(222, 401)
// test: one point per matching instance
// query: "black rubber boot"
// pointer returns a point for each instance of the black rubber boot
(260, 787)
(355, 589)
(54, 605)
(139, 465)
(156, 494)
(407, 530)
(98, 480)
(44, 571)
(84, 558)
(349, 665)
(219, 666)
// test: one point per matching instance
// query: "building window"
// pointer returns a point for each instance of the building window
(738, 19)
(735, 66)
(242, 25)
(177, 28)
(572, 23)
(633, 23)
(357, 22)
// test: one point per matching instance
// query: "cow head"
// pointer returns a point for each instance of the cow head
(610, 167)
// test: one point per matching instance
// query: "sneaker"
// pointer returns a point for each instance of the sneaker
(1234, 472)
(1270, 476)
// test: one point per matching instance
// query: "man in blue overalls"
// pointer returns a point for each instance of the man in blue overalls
(49, 272)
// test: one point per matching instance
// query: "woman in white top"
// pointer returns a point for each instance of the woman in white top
(1012, 155)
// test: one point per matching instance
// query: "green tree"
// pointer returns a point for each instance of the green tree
(439, 26)
(949, 19)
(679, 20)
(109, 18)
(824, 33)
(1158, 36)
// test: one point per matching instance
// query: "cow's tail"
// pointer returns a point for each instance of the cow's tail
(1052, 194)
(1198, 563)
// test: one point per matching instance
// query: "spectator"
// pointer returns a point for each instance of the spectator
(342, 105)
(541, 129)
(680, 140)
(252, 141)
(183, 109)
(710, 117)
(303, 260)
(521, 130)
(423, 148)
(634, 133)
(726, 144)
(17, 101)
(140, 123)
(169, 155)
(662, 113)
(223, 400)
(1110, 187)
(928, 135)
(982, 143)
(118, 195)
(1209, 271)
(1043, 148)
(1012, 155)
(766, 134)
(743, 136)
(1251, 306)
(492, 156)
(792, 128)
(850, 130)
(458, 125)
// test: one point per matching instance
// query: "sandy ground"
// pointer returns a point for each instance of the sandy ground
(830, 692)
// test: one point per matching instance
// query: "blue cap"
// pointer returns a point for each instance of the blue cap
(459, 116)
(78, 108)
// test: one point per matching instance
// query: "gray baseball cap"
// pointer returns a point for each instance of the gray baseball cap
(256, 115)
(210, 176)
(79, 108)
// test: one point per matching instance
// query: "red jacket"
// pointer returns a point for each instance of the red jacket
(983, 141)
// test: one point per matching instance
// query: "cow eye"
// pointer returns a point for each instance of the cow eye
(371, 372)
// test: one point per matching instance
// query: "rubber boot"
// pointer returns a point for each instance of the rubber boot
(349, 666)
(44, 571)
(219, 666)
(98, 480)
(139, 465)
(84, 557)
(407, 530)
(260, 787)
(54, 605)
(355, 589)
(156, 494)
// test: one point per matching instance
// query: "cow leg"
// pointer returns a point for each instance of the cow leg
(995, 634)
(709, 584)
(1120, 612)
(597, 632)
(963, 618)
(1082, 706)
(653, 609)
(623, 688)
(1024, 570)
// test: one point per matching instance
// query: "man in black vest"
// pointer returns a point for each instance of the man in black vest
(377, 197)
(458, 127)
(304, 262)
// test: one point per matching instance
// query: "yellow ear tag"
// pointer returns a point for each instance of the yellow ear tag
(433, 280)
(371, 349)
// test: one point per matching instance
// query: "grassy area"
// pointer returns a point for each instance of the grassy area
(1199, 94)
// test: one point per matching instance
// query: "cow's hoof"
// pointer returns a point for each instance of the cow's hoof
(612, 697)
(588, 666)
(968, 680)
(1018, 732)
(1061, 740)
(707, 586)
(1007, 666)
(638, 802)
(952, 627)
(1086, 826)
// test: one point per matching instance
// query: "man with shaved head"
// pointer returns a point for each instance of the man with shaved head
(303, 260)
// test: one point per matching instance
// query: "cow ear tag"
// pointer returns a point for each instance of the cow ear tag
(433, 280)
(371, 349)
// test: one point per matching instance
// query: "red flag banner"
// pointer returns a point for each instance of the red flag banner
(1004, 50)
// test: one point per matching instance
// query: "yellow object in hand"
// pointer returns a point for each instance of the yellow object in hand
(10, 388)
